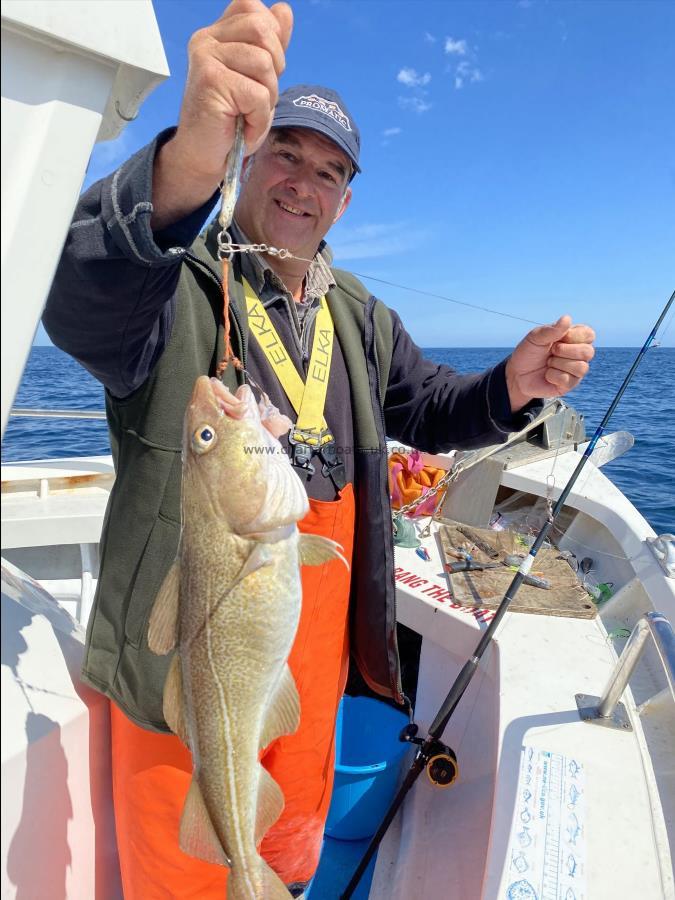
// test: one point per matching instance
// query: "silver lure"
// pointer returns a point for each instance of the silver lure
(230, 186)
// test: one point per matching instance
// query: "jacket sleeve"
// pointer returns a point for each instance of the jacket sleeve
(112, 302)
(433, 408)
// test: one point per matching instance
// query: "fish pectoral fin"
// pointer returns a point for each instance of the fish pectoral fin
(163, 626)
(173, 705)
(259, 557)
(315, 549)
(270, 804)
(283, 711)
(197, 836)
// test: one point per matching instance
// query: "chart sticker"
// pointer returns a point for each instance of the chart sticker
(547, 845)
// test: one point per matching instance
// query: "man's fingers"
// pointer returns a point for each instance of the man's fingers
(547, 334)
(562, 331)
(251, 100)
(573, 351)
(563, 381)
(284, 16)
(259, 30)
(243, 7)
(576, 367)
(251, 62)
(579, 334)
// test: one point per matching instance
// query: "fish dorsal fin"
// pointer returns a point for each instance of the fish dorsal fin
(173, 706)
(316, 549)
(270, 804)
(197, 835)
(283, 711)
(163, 626)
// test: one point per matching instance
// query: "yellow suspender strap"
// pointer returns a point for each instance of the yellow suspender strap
(308, 399)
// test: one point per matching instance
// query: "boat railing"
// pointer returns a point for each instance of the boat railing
(607, 710)
(58, 413)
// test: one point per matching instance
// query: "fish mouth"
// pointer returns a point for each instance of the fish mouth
(212, 397)
(212, 393)
(240, 405)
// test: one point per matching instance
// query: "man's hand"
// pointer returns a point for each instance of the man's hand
(549, 361)
(234, 69)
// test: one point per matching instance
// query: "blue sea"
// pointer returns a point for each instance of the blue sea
(646, 474)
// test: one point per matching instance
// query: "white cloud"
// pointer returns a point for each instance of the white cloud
(390, 132)
(429, 38)
(373, 240)
(410, 78)
(466, 72)
(457, 48)
(416, 104)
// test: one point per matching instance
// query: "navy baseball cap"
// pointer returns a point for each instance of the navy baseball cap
(320, 109)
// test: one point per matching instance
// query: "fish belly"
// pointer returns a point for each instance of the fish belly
(238, 644)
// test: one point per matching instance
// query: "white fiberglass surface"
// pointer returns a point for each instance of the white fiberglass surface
(459, 841)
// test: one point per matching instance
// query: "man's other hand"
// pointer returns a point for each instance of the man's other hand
(549, 361)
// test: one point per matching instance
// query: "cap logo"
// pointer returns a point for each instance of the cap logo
(327, 107)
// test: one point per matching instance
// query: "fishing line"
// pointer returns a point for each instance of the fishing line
(667, 325)
(404, 287)
(580, 544)
(228, 248)
(431, 743)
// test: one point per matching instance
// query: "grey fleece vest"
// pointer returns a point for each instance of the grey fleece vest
(142, 523)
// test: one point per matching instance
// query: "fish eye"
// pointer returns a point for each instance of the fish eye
(203, 438)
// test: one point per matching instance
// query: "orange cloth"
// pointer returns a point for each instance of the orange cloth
(409, 478)
(152, 772)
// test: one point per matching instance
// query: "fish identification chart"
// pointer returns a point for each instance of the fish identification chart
(546, 849)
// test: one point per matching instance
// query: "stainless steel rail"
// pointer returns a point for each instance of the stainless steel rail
(58, 413)
(606, 710)
(656, 625)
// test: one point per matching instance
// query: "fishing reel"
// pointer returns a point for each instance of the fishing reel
(439, 760)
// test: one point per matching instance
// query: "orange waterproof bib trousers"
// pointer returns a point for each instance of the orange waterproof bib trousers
(152, 772)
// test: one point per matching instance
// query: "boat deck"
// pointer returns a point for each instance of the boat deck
(600, 834)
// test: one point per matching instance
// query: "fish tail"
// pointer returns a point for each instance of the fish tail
(268, 885)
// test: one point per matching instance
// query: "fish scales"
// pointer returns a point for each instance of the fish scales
(230, 606)
(246, 641)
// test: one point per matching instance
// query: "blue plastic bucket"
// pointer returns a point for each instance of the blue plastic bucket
(369, 763)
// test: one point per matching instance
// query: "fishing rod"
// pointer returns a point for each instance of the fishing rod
(431, 750)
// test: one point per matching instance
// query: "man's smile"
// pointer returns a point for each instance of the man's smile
(291, 209)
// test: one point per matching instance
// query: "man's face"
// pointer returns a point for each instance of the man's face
(296, 187)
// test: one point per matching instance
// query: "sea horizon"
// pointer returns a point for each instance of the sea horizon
(53, 380)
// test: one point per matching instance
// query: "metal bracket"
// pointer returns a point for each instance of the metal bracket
(588, 705)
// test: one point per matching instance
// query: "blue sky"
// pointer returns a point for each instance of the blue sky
(516, 154)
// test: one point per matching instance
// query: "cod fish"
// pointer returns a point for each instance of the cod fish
(230, 606)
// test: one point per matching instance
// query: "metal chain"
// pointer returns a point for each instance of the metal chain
(226, 249)
(452, 475)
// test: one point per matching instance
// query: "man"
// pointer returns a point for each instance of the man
(137, 300)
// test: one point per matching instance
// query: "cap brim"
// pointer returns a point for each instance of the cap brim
(323, 128)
